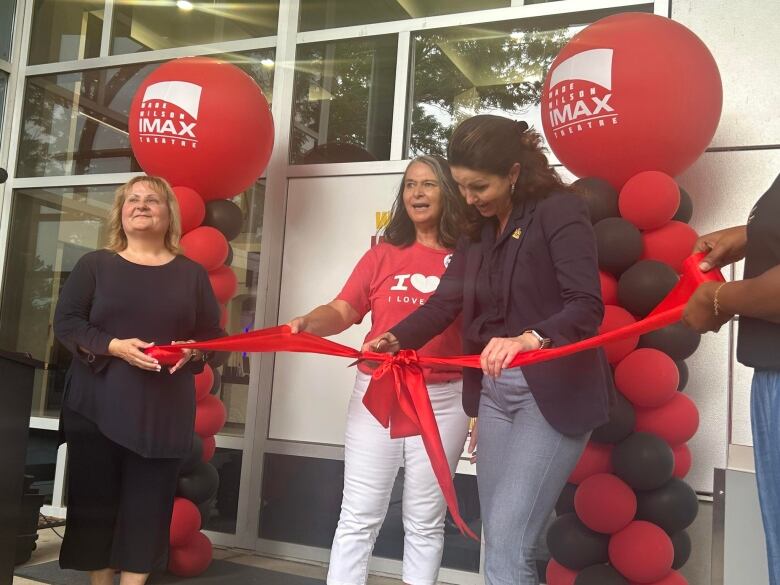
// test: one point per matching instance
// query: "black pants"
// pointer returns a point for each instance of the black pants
(119, 503)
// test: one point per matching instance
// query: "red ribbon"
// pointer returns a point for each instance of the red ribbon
(397, 395)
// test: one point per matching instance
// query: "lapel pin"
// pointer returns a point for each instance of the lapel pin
(517, 233)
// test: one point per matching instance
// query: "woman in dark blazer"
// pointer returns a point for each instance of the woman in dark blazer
(526, 279)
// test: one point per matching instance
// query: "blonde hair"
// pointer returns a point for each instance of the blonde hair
(117, 239)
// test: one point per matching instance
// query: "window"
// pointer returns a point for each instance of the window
(146, 26)
(465, 71)
(3, 87)
(65, 31)
(319, 14)
(7, 10)
(343, 100)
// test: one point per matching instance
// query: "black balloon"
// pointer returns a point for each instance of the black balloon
(682, 549)
(205, 512)
(600, 575)
(682, 368)
(574, 545)
(195, 456)
(619, 244)
(565, 503)
(600, 197)
(644, 285)
(685, 210)
(200, 484)
(225, 216)
(229, 260)
(217, 385)
(673, 506)
(676, 340)
(644, 461)
(621, 422)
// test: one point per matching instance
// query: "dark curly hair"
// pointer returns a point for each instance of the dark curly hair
(400, 230)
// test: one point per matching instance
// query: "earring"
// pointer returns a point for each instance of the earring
(512, 190)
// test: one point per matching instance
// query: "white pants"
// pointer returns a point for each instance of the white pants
(371, 463)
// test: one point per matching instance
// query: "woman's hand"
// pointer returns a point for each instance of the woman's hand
(500, 352)
(699, 313)
(722, 247)
(130, 351)
(188, 355)
(472, 446)
(385, 343)
(298, 324)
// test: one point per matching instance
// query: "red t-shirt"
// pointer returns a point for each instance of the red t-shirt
(391, 282)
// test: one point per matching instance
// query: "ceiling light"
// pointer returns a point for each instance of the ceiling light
(267, 62)
(185, 5)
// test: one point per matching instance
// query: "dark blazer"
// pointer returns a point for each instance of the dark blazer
(551, 284)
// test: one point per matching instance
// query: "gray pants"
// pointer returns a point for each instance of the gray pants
(522, 466)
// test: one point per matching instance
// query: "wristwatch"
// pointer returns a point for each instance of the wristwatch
(544, 342)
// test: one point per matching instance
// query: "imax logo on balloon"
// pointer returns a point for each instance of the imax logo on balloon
(579, 93)
(169, 113)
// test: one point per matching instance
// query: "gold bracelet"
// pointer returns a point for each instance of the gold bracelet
(715, 302)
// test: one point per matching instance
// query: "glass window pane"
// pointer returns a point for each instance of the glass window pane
(3, 86)
(220, 513)
(64, 31)
(234, 388)
(50, 230)
(147, 26)
(7, 11)
(465, 71)
(343, 100)
(319, 14)
(76, 123)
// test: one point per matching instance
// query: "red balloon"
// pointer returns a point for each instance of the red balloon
(191, 207)
(682, 460)
(557, 574)
(614, 318)
(202, 123)
(609, 288)
(631, 92)
(605, 503)
(210, 416)
(224, 282)
(641, 552)
(673, 578)
(675, 422)
(647, 377)
(649, 199)
(203, 383)
(671, 244)
(192, 558)
(596, 458)
(185, 521)
(206, 246)
(209, 447)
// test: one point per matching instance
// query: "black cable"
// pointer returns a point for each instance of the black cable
(48, 523)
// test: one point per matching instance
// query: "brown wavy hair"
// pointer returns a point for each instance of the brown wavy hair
(117, 239)
(400, 230)
(492, 144)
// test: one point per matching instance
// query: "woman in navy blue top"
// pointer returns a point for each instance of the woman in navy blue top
(128, 422)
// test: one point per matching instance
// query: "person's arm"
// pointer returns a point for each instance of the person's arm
(207, 315)
(757, 297)
(335, 317)
(722, 247)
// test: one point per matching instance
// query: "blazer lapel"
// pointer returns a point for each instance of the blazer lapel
(521, 219)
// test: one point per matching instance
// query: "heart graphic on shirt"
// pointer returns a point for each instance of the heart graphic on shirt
(425, 284)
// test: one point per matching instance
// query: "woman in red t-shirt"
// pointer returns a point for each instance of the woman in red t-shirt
(390, 281)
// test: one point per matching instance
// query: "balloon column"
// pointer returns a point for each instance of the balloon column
(632, 100)
(206, 127)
